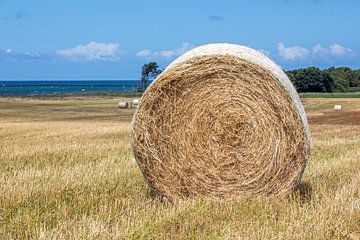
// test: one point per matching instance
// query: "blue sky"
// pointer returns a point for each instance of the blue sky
(112, 39)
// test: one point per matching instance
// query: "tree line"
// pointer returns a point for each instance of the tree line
(312, 79)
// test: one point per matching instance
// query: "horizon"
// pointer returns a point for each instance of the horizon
(19, 80)
(111, 40)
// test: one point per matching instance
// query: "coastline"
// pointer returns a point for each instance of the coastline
(74, 95)
(65, 88)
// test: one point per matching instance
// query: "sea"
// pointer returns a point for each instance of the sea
(66, 87)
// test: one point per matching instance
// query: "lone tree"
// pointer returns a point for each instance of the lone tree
(148, 72)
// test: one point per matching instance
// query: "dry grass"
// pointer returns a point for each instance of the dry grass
(66, 173)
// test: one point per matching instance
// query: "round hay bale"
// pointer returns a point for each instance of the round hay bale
(123, 104)
(222, 119)
(337, 107)
(136, 102)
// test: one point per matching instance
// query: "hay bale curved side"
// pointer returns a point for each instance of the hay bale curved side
(253, 56)
(208, 126)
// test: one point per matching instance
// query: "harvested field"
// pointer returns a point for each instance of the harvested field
(66, 172)
(336, 118)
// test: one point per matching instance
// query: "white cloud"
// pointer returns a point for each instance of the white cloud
(292, 53)
(334, 50)
(339, 51)
(92, 51)
(144, 53)
(32, 54)
(166, 53)
(318, 50)
(9, 51)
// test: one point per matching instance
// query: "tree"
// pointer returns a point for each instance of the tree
(149, 72)
(311, 80)
(346, 76)
(341, 78)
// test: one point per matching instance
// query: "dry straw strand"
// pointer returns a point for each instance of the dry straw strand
(218, 124)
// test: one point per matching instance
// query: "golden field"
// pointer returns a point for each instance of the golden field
(66, 172)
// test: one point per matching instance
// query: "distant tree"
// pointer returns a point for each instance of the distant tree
(357, 77)
(149, 72)
(341, 78)
(311, 80)
(345, 76)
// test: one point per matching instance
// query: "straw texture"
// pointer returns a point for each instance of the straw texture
(216, 125)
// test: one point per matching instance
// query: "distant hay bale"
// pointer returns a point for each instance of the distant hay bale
(136, 102)
(123, 104)
(222, 119)
(337, 107)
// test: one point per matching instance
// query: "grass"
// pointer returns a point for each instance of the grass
(331, 95)
(66, 172)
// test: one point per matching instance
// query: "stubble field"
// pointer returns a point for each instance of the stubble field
(66, 172)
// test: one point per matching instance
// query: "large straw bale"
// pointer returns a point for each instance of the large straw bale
(222, 119)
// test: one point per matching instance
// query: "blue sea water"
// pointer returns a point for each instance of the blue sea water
(25, 88)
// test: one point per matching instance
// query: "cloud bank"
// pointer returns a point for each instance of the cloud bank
(339, 51)
(293, 53)
(167, 54)
(93, 51)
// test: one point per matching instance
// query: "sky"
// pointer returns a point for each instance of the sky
(112, 39)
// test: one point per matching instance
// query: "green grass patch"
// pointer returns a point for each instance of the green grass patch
(331, 95)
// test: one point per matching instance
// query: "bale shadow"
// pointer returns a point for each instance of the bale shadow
(302, 192)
